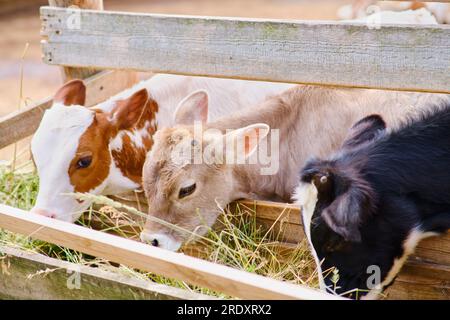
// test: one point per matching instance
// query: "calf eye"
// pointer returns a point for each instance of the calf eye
(84, 162)
(184, 192)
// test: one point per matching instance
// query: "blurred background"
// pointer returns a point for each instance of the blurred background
(20, 24)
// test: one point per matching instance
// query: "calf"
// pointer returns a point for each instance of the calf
(102, 150)
(188, 176)
(365, 209)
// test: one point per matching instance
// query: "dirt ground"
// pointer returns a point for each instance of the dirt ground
(21, 26)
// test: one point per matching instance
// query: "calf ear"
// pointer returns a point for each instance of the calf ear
(192, 108)
(71, 93)
(364, 130)
(347, 212)
(245, 140)
(128, 112)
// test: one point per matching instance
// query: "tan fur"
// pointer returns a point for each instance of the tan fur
(313, 121)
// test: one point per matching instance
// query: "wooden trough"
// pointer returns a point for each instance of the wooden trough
(394, 57)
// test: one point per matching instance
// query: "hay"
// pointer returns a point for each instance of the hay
(239, 242)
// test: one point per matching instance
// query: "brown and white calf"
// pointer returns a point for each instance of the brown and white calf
(102, 150)
(310, 121)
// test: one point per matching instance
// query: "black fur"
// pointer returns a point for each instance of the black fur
(379, 188)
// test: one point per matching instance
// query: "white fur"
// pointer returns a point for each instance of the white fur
(116, 182)
(164, 241)
(433, 13)
(420, 16)
(53, 156)
(116, 143)
(305, 195)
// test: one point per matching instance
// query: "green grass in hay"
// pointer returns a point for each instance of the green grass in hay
(238, 241)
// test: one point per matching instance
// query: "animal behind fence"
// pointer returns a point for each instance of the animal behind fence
(366, 208)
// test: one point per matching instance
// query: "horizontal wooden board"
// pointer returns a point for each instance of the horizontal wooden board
(145, 257)
(426, 275)
(424, 281)
(21, 124)
(27, 275)
(402, 57)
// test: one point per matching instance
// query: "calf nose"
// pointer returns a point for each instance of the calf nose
(160, 240)
(43, 212)
(148, 238)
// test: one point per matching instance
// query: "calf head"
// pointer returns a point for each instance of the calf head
(186, 178)
(77, 149)
(336, 203)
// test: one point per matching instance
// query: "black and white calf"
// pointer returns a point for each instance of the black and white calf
(365, 209)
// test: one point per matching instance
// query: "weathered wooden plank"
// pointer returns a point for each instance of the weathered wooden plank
(144, 257)
(26, 275)
(420, 280)
(272, 210)
(402, 57)
(18, 125)
(435, 250)
(69, 73)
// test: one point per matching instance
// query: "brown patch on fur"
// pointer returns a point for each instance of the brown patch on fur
(94, 142)
(71, 93)
(130, 158)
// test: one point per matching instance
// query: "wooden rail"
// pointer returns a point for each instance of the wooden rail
(398, 57)
(327, 53)
(144, 257)
(426, 275)
(28, 275)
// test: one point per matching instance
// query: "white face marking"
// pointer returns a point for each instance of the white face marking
(53, 147)
(305, 195)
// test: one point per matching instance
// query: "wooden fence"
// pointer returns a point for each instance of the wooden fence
(394, 57)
